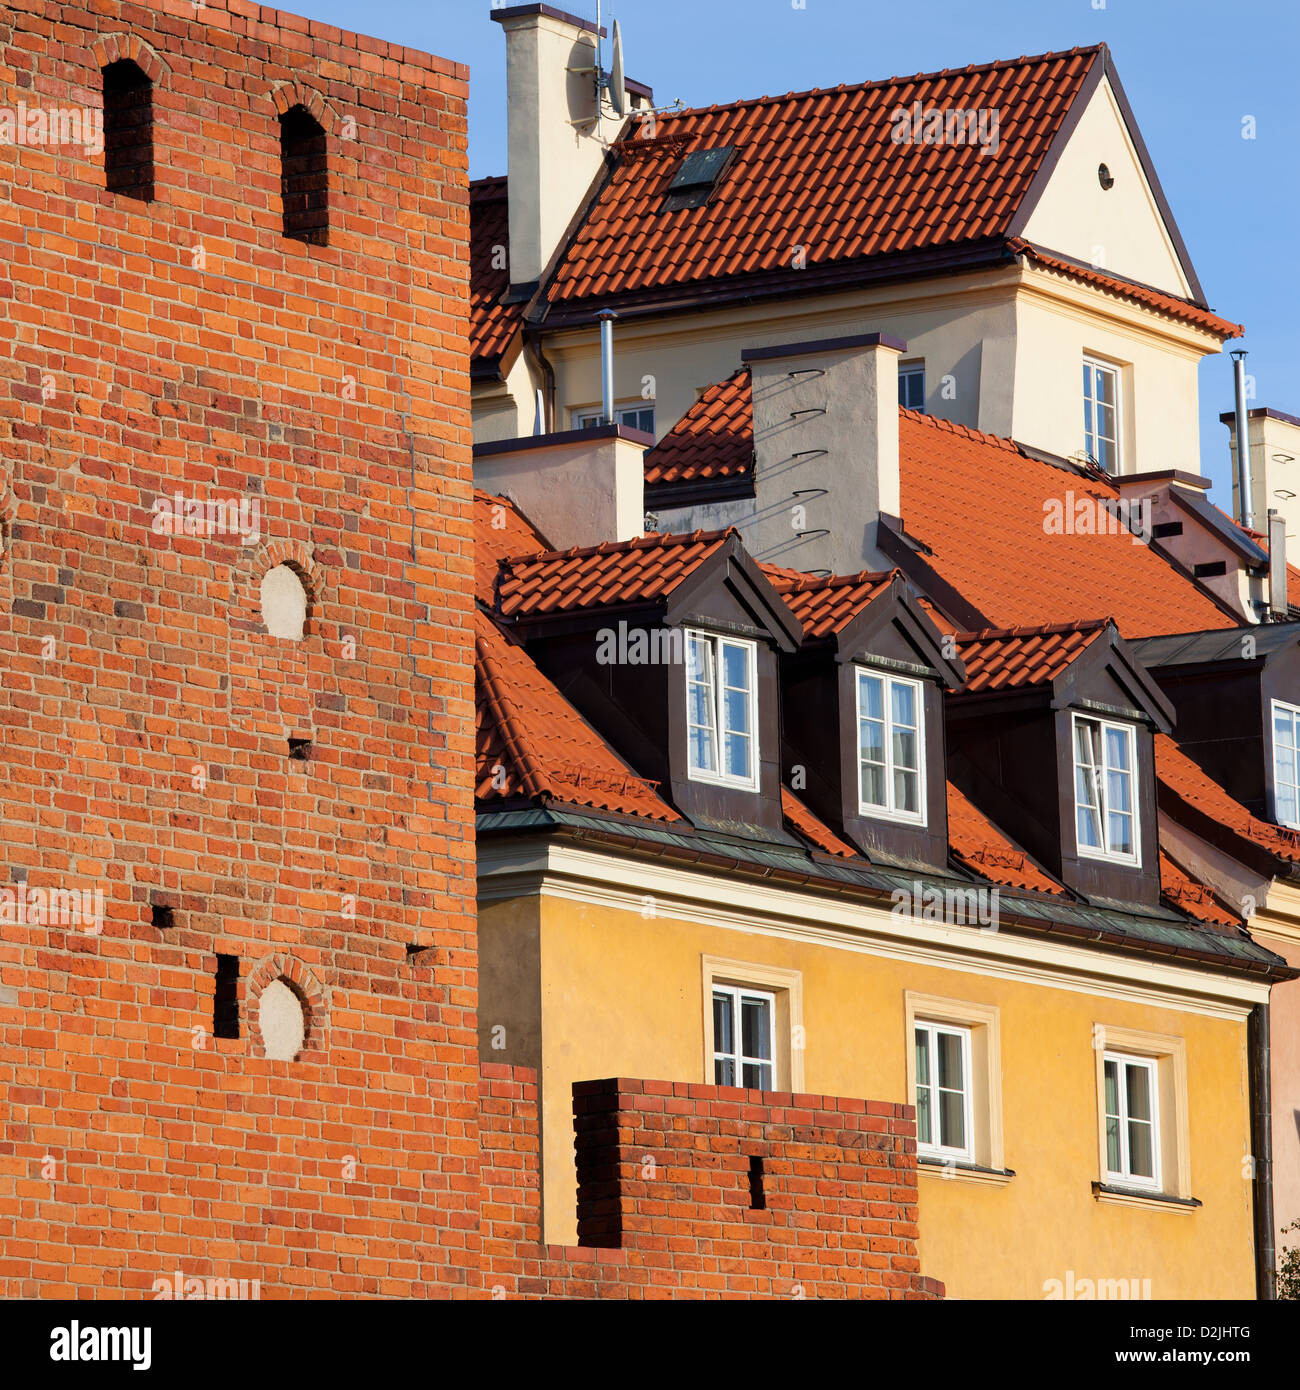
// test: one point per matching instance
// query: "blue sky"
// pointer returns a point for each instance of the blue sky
(1193, 70)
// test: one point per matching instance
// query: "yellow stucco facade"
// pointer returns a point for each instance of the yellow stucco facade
(594, 981)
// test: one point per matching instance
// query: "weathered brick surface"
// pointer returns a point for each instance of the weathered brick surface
(184, 345)
(666, 1196)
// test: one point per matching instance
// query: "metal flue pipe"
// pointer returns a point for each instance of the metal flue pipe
(1245, 513)
(607, 317)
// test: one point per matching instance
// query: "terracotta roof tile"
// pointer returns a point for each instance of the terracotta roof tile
(1143, 294)
(1023, 656)
(1186, 779)
(603, 576)
(821, 169)
(815, 831)
(713, 440)
(982, 848)
(491, 323)
(1187, 894)
(529, 741)
(977, 501)
(825, 604)
(501, 531)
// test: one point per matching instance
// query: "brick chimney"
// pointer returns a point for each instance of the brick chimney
(826, 451)
(555, 141)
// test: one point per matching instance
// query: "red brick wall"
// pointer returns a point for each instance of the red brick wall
(184, 345)
(665, 1197)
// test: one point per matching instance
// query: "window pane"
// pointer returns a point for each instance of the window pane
(904, 749)
(952, 1122)
(738, 756)
(735, 666)
(1141, 1159)
(1118, 785)
(758, 1075)
(1120, 830)
(1105, 386)
(871, 741)
(923, 1086)
(702, 754)
(724, 1071)
(873, 785)
(756, 1028)
(903, 703)
(907, 792)
(723, 1041)
(1138, 1092)
(948, 1046)
(736, 711)
(871, 695)
(1112, 1146)
(1117, 748)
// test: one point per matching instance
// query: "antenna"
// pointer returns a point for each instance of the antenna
(614, 83)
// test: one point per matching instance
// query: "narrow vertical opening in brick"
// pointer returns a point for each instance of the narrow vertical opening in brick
(128, 131)
(757, 1197)
(162, 916)
(304, 177)
(225, 998)
(300, 749)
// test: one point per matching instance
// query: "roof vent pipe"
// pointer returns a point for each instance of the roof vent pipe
(607, 317)
(1244, 513)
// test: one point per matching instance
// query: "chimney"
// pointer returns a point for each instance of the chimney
(1245, 511)
(579, 488)
(555, 141)
(826, 451)
(1277, 604)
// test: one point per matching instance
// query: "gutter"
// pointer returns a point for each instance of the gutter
(1261, 1146)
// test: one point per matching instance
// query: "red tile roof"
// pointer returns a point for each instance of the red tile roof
(1143, 294)
(603, 576)
(1185, 778)
(825, 604)
(491, 324)
(501, 531)
(1023, 656)
(822, 170)
(530, 742)
(713, 440)
(981, 847)
(816, 832)
(978, 502)
(1189, 895)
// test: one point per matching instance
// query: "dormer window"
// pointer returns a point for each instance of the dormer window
(1105, 811)
(722, 709)
(891, 748)
(1286, 769)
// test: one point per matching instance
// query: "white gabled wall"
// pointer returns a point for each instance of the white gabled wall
(1119, 230)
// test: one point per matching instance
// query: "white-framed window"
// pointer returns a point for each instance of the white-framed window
(743, 1037)
(722, 709)
(911, 385)
(1132, 1104)
(1105, 786)
(635, 417)
(891, 747)
(944, 1120)
(1286, 764)
(1101, 413)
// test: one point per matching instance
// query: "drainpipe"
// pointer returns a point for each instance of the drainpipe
(1244, 513)
(607, 317)
(533, 342)
(1261, 1146)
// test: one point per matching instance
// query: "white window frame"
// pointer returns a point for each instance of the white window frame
(1293, 713)
(716, 777)
(1093, 440)
(933, 1148)
(889, 811)
(737, 994)
(1124, 1176)
(586, 419)
(1104, 852)
(912, 370)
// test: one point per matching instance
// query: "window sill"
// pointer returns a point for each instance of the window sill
(1138, 1197)
(961, 1170)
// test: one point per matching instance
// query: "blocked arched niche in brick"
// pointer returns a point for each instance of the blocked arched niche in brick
(299, 558)
(109, 48)
(288, 971)
(287, 95)
(8, 517)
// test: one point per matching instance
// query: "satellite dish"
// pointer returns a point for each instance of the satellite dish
(617, 86)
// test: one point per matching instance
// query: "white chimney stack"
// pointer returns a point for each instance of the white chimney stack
(825, 451)
(555, 141)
